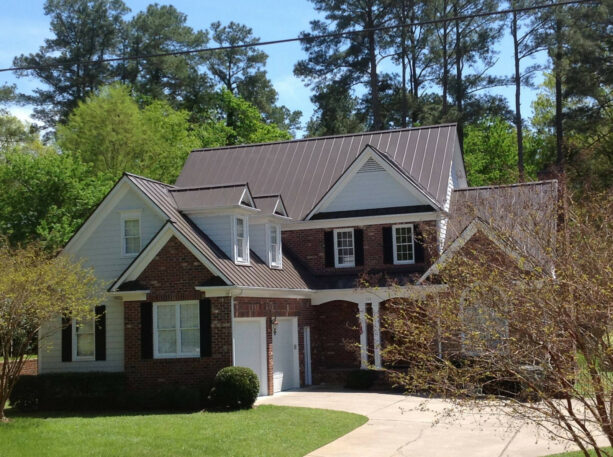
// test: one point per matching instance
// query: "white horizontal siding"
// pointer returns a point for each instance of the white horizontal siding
(257, 240)
(50, 345)
(219, 229)
(372, 190)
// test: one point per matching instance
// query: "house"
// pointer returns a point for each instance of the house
(255, 255)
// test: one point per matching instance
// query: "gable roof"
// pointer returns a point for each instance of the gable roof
(258, 274)
(270, 204)
(195, 198)
(304, 170)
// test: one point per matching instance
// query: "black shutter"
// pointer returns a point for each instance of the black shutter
(66, 339)
(388, 246)
(146, 330)
(100, 336)
(329, 248)
(418, 241)
(358, 243)
(205, 328)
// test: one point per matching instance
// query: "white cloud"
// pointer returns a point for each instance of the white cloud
(23, 113)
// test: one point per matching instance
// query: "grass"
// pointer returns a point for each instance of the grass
(266, 431)
(577, 453)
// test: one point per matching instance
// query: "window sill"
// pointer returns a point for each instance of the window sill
(84, 359)
(176, 357)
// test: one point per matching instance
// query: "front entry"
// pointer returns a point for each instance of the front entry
(250, 348)
(286, 374)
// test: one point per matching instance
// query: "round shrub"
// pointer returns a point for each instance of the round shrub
(361, 379)
(234, 388)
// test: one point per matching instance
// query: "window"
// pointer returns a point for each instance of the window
(484, 326)
(274, 246)
(404, 245)
(176, 330)
(130, 233)
(344, 250)
(83, 333)
(241, 246)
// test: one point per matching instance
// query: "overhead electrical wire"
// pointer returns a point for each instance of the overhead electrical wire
(306, 38)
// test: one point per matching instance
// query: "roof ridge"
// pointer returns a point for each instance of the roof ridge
(503, 186)
(345, 135)
(267, 196)
(212, 186)
(144, 178)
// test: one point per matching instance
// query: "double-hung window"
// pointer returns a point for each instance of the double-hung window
(344, 248)
(130, 233)
(404, 244)
(83, 333)
(241, 239)
(274, 246)
(177, 330)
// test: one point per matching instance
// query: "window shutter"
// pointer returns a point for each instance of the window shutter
(146, 330)
(329, 248)
(388, 246)
(358, 243)
(66, 339)
(100, 335)
(205, 328)
(418, 241)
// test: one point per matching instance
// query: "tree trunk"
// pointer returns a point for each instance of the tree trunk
(459, 81)
(518, 118)
(557, 68)
(403, 57)
(377, 121)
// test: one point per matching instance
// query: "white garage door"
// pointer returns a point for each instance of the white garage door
(285, 355)
(250, 348)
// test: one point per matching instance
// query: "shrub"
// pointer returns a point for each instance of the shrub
(361, 379)
(234, 388)
(169, 398)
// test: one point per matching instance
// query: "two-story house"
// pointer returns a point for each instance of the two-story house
(255, 255)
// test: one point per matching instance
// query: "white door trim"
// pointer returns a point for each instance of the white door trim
(264, 357)
(295, 349)
(308, 377)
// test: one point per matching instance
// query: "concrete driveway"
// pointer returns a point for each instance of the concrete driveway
(398, 427)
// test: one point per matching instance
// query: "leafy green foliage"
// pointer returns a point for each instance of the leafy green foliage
(235, 388)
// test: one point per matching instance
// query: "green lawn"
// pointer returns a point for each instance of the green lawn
(577, 454)
(266, 431)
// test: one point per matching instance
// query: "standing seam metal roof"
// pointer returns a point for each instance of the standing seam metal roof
(302, 171)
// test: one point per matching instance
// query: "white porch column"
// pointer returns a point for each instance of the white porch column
(376, 329)
(363, 336)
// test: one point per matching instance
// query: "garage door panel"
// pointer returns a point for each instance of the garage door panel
(250, 348)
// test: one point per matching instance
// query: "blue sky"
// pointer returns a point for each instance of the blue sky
(23, 27)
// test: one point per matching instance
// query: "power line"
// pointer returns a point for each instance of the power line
(303, 38)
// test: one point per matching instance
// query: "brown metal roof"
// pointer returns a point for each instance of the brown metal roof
(258, 274)
(208, 197)
(266, 203)
(302, 171)
(525, 214)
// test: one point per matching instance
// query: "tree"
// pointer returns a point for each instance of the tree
(36, 288)
(84, 32)
(535, 344)
(334, 112)
(352, 59)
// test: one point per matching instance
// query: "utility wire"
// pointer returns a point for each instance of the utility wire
(304, 38)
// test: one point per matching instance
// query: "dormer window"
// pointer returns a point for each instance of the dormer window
(130, 233)
(344, 248)
(241, 239)
(274, 246)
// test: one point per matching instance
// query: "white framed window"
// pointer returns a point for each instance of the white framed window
(484, 324)
(275, 257)
(404, 244)
(176, 330)
(241, 239)
(344, 248)
(84, 340)
(130, 233)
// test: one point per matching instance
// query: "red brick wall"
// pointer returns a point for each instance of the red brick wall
(308, 245)
(173, 275)
(278, 307)
(30, 367)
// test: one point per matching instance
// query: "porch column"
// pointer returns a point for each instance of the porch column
(363, 336)
(376, 329)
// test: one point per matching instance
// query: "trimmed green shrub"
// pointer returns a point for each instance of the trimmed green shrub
(234, 388)
(167, 398)
(361, 379)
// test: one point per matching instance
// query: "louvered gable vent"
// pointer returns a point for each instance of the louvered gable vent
(371, 166)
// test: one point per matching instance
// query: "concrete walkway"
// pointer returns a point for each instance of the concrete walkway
(398, 427)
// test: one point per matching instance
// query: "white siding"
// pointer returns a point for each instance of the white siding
(50, 346)
(219, 228)
(372, 190)
(442, 224)
(102, 252)
(257, 241)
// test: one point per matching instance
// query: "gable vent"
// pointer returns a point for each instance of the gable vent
(370, 166)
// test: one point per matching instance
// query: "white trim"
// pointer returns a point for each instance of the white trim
(262, 292)
(131, 295)
(377, 294)
(361, 221)
(130, 215)
(269, 230)
(178, 354)
(367, 153)
(247, 198)
(336, 262)
(403, 262)
(376, 330)
(280, 206)
(363, 336)
(155, 245)
(223, 210)
(75, 344)
(245, 260)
